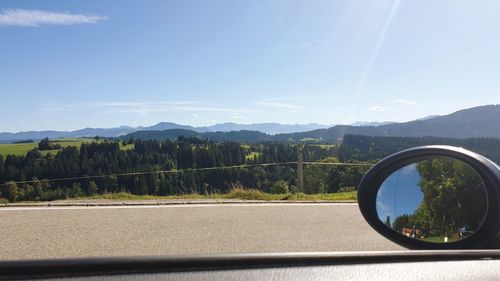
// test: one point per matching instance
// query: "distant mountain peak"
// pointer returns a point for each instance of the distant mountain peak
(427, 117)
(373, 124)
(481, 121)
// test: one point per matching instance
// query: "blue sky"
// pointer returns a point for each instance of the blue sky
(72, 64)
(400, 194)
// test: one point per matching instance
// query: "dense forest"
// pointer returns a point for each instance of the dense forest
(171, 167)
(172, 134)
(363, 148)
(478, 121)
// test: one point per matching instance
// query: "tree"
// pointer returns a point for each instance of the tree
(153, 156)
(92, 188)
(342, 176)
(75, 190)
(111, 184)
(185, 156)
(153, 183)
(334, 179)
(37, 189)
(454, 196)
(143, 186)
(314, 179)
(280, 187)
(9, 191)
(388, 222)
(403, 221)
(2, 170)
(44, 144)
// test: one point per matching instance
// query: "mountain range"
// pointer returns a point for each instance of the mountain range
(267, 128)
(481, 121)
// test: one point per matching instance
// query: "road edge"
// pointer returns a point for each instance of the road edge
(165, 202)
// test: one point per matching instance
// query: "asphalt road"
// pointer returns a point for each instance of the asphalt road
(27, 233)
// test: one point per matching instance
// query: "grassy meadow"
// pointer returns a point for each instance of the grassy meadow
(237, 193)
(17, 149)
(20, 149)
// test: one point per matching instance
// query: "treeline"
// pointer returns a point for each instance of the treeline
(365, 148)
(172, 134)
(45, 144)
(170, 168)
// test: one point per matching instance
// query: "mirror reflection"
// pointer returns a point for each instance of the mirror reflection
(436, 200)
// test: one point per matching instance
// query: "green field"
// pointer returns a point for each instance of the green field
(16, 148)
(20, 149)
(252, 155)
(309, 140)
(326, 146)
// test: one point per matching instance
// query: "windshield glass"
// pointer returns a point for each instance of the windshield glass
(206, 127)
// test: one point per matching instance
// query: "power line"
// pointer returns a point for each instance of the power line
(155, 172)
(173, 171)
(339, 164)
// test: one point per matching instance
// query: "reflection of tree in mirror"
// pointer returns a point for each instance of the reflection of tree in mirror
(388, 221)
(454, 201)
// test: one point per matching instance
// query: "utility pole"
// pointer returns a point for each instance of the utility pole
(300, 168)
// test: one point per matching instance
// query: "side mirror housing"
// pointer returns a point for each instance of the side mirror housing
(434, 197)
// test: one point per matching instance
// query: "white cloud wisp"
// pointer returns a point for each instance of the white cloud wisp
(278, 105)
(35, 18)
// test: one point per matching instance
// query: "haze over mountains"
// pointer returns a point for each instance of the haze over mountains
(267, 128)
(482, 121)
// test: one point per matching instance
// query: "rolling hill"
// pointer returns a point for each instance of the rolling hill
(480, 121)
(267, 128)
(236, 136)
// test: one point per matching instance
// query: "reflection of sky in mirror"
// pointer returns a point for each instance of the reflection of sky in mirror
(399, 194)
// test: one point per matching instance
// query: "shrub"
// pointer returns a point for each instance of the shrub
(246, 194)
(280, 187)
(9, 191)
(347, 189)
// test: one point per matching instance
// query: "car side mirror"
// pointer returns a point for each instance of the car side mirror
(434, 197)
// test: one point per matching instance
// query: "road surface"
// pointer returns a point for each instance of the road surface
(55, 232)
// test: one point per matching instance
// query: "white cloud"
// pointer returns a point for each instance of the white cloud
(278, 105)
(406, 102)
(152, 107)
(376, 108)
(56, 108)
(20, 17)
(146, 107)
(394, 103)
(237, 116)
